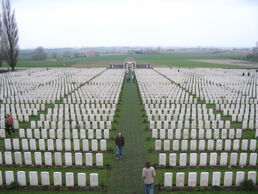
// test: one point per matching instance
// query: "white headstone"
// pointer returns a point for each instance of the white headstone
(244, 145)
(99, 159)
(33, 177)
(252, 176)
(216, 178)
(69, 179)
(157, 145)
(240, 176)
(42, 146)
(243, 159)
(201, 145)
(45, 178)
(162, 133)
(172, 159)
(170, 133)
(94, 145)
(183, 159)
(201, 134)
(228, 178)
(78, 159)
(223, 159)
(89, 159)
(27, 157)
(192, 179)
(57, 176)
(8, 144)
(18, 158)
(8, 158)
(193, 159)
(184, 145)
(48, 158)
(85, 145)
(9, 177)
(94, 179)
(233, 159)
(68, 159)
(162, 159)
(193, 145)
(252, 144)
(210, 144)
(21, 178)
(175, 145)
(168, 177)
(204, 180)
(103, 145)
(166, 145)
(81, 179)
(37, 158)
(203, 159)
(76, 145)
(213, 159)
(236, 144)
(253, 159)
(180, 179)
(68, 145)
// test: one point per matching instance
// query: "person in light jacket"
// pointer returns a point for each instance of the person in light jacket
(148, 175)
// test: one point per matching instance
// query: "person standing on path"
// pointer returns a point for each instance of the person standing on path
(120, 142)
(7, 125)
(10, 118)
(148, 175)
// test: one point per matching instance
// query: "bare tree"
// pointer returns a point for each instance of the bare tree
(1, 53)
(39, 54)
(10, 37)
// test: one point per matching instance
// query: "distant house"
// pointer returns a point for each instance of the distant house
(91, 54)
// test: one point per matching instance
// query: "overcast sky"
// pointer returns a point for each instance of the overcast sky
(79, 23)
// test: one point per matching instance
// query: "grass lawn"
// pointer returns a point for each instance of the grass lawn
(125, 174)
(173, 59)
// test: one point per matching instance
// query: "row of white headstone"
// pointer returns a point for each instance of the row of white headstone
(78, 109)
(18, 111)
(107, 116)
(252, 124)
(182, 117)
(45, 178)
(89, 106)
(15, 124)
(87, 99)
(61, 134)
(166, 105)
(55, 144)
(197, 133)
(215, 159)
(210, 145)
(236, 107)
(60, 158)
(38, 107)
(216, 179)
(241, 117)
(55, 85)
(250, 113)
(69, 125)
(211, 84)
(201, 124)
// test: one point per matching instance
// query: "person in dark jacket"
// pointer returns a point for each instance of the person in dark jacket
(7, 125)
(120, 142)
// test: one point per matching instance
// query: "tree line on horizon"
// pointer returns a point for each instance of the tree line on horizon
(9, 37)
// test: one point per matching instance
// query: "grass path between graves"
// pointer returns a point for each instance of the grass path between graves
(126, 173)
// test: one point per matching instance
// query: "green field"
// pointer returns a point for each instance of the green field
(174, 59)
